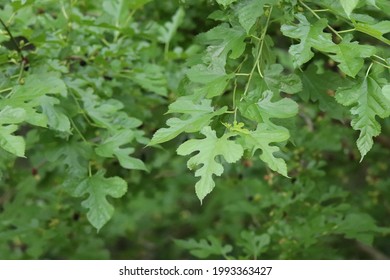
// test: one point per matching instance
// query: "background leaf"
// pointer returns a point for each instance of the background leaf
(98, 188)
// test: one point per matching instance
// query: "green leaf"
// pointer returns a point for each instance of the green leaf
(73, 154)
(112, 147)
(383, 5)
(225, 39)
(56, 118)
(151, 77)
(136, 4)
(36, 85)
(98, 188)
(359, 226)
(254, 244)
(225, 2)
(106, 113)
(279, 82)
(310, 36)
(198, 116)
(370, 101)
(261, 139)
(350, 55)
(221, 41)
(349, 5)
(319, 85)
(205, 248)
(284, 108)
(117, 11)
(27, 96)
(9, 115)
(375, 30)
(169, 29)
(13, 144)
(209, 148)
(386, 92)
(248, 11)
(213, 77)
(260, 108)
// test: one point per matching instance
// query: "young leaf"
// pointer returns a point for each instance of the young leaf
(370, 101)
(98, 188)
(209, 148)
(310, 36)
(200, 115)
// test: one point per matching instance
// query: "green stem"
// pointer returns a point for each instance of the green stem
(5, 89)
(347, 30)
(166, 50)
(380, 63)
(21, 70)
(368, 70)
(257, 59)
(78, 131)
(64, 11)
(379, 57)
(321, 10)
(234, 99)
(18, 49)
(82, 111)
(89, 169)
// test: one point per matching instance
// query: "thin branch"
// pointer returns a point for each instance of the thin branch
(372, 252)
(18, 49)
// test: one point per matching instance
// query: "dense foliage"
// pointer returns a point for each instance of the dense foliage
(275, 143)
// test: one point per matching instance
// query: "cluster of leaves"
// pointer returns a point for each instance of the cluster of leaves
(269, 85)
(239, 59)
(65, 89)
